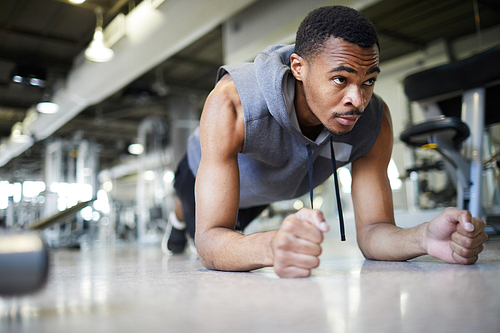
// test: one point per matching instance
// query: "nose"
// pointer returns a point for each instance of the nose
(354, 97)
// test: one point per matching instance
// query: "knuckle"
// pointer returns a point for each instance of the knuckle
(279, 271)
(281, 256)
(471, 260)
(291, 272)
(449, 210)
(288, 226)
(459, 259)
(282, 243)
(485, 237)
(315, 262)
(462, 252)
(304, 273)
(320, 238)
(318, 214)
(467, 242)
(479, 223)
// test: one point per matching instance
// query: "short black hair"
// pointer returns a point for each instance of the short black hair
(333, 21)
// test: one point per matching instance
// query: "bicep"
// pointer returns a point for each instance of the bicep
(371, 190)
(217, 182)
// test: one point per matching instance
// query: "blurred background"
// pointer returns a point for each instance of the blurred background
(98, 97)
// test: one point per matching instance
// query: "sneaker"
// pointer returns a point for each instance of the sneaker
(175, 239)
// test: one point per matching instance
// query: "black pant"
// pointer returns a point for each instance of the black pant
(184, 188)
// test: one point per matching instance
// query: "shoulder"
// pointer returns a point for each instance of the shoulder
(385, 138)
(386, 121)
(222, 116)
(223, 102)
(383, 146)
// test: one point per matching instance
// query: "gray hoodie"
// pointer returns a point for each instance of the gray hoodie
(274, 162)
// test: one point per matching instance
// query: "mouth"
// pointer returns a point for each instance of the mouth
(347, 120)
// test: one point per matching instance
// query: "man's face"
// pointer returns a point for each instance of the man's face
(337, 85)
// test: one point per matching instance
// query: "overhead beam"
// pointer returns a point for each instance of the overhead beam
(57, 65)
(38, 37)
(88, 5)
(117, 7)
(264, 23)
(491, 5)
(417, 43)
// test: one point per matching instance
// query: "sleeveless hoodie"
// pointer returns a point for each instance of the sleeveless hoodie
(277, 160)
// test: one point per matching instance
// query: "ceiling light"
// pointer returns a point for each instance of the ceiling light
(97, 50)
(168, 176)
(136, 149)
(29, 74)
(37, 82)
(149, 175)
(47, 107)
(77, 1)
(107, 185)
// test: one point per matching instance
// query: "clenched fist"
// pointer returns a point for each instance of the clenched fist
(296, 246)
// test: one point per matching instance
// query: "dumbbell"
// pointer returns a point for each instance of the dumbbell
(24, 263)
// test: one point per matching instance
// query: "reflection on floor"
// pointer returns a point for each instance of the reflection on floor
(138, 289)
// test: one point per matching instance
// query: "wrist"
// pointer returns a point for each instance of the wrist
(424, 237)
(269, 257)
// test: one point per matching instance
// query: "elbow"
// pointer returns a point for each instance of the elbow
(208, 264)
(365, 251)
(206, 261)
(366, 254)
(363, 238)
(203, 250)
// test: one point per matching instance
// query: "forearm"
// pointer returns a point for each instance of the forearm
(225, 249)
(385, 241)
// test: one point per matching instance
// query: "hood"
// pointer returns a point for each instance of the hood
(272, 66)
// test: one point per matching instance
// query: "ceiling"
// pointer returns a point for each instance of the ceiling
(52, 33)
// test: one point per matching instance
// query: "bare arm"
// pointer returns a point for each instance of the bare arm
(377, 234)
(217, 188)
(293, 250)
(448, 236)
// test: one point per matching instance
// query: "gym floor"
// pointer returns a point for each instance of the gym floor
(131, 288)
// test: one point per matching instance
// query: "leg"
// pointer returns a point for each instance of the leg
(182, 218)
(247, 215)
(178, 210)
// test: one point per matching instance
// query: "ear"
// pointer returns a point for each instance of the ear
(298, 66)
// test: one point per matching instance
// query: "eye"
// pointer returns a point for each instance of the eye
(339, 80)
(370, 82)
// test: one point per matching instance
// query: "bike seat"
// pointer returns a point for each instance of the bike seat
(450, 129)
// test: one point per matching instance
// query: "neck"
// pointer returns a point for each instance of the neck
(309, 124)
(311, 132)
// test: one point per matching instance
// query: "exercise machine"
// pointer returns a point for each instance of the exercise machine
(460, 101)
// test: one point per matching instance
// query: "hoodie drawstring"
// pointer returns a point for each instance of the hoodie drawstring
(337, 192)
(336, 183)
(310, 172)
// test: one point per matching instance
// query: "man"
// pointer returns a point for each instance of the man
(268, 132)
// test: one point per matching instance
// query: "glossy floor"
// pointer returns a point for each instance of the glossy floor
(139, 289)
